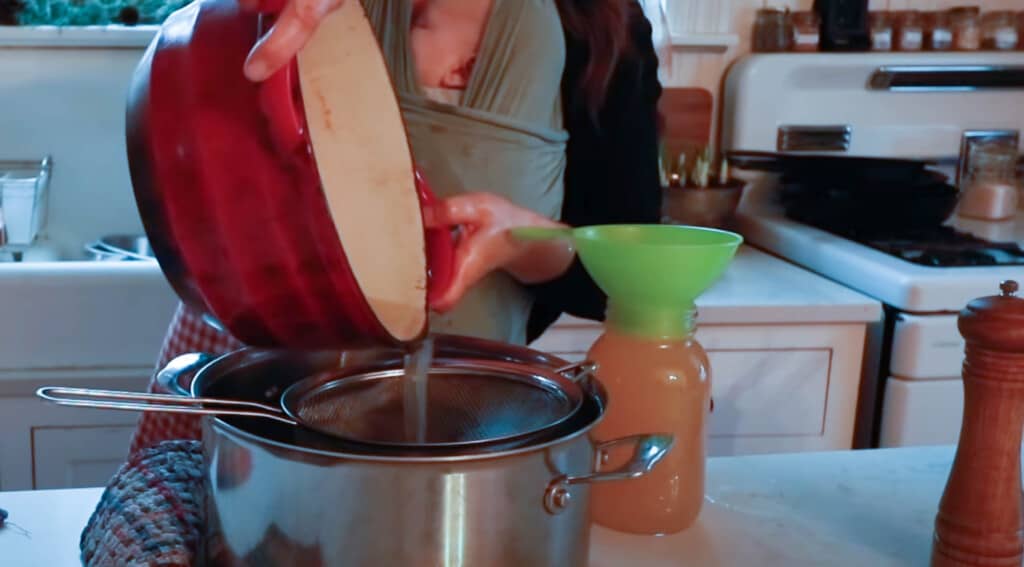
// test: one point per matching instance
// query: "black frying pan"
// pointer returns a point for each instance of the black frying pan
(804, 166)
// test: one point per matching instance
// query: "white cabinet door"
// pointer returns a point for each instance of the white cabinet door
(43, 445)
(766, 392)
(78, 457)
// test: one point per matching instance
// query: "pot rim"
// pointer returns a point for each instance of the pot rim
(404, 459)
(593, 392)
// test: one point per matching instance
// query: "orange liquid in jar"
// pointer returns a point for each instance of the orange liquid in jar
(654, 386)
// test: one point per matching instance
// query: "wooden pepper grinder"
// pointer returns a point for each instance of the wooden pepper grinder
(979, 519)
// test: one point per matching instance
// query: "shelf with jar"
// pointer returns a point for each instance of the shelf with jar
(699, 190)
(960, 28)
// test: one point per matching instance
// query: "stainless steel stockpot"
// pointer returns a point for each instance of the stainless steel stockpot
(281, 495)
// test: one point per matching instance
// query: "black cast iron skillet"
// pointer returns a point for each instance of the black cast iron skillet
(817, 166)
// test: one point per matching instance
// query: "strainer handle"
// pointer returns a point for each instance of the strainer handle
(138, 401)
(648, 450)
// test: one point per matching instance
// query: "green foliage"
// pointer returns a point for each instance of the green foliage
(94, 12)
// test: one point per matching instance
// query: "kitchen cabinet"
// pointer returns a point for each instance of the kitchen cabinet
(45, 446)
(785, 348)
(776, 387)
(78, 456)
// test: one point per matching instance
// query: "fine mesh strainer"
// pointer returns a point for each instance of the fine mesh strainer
(467, 402)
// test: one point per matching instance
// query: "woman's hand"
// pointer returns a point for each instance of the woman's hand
(485, 243)
(296, 22)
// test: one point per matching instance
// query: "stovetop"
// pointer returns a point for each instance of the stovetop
(875, 262)
(939, 246)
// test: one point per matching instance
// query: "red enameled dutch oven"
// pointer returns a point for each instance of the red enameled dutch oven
(289, 210)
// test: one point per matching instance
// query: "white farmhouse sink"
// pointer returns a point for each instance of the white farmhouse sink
(82, 315)
(63, 95)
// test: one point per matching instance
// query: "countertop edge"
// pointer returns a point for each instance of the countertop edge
(112, 36)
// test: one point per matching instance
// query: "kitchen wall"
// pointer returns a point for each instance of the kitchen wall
(62, 94)
(710, 34)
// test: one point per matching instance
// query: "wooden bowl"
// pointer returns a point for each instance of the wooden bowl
(712, 207)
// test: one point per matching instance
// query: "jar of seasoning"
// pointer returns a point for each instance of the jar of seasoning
(881, 31)
(939, 31)
(966, 22)
(989, 190)
(806, 30)
(773, 31)
(909, 31)
(999, 30)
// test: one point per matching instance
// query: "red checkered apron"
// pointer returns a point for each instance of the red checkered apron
(187, 333)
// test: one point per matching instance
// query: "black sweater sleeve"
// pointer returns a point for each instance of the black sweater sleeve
(612, 165)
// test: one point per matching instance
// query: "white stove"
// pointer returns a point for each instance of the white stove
(912, 393)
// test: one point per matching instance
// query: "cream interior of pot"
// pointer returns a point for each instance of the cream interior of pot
(365, 165)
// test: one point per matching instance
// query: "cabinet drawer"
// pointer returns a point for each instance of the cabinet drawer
(78, 456)
(769, 392)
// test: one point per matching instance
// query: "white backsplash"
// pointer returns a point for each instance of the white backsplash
(62, 93)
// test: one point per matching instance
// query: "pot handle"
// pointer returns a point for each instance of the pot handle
(578, 371)
(270, 7)
(284, 120)
(169, 377)
(648, 450)
(440, 246)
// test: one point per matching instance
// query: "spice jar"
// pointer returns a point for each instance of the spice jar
(909, 31)
(939, 31)
(966, 23)
(999, 30)
(773, 31)
(806, 31)
(989, 189)
(881, 31)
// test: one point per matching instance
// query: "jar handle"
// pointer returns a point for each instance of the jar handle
(169, 377)
(648, 450)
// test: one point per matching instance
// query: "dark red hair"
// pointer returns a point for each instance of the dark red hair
(603, 25)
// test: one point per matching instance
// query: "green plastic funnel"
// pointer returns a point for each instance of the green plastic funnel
(652, 274)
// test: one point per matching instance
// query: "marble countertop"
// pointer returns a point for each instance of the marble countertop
(759, 288)
(850, 508)
(112, 36)
(762, 289)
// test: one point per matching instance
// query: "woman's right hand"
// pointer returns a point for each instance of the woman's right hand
(296, 22)
(486, 243)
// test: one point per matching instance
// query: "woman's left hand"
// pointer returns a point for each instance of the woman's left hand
(486, 244)
(297, 20)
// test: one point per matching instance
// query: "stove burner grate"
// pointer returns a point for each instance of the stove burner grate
(941, 246)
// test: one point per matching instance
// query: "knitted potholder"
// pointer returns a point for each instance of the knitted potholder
(151, 513)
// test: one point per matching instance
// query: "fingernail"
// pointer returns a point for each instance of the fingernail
(256, 70)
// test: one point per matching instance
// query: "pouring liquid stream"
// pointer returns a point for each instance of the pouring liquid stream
(418, 360)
